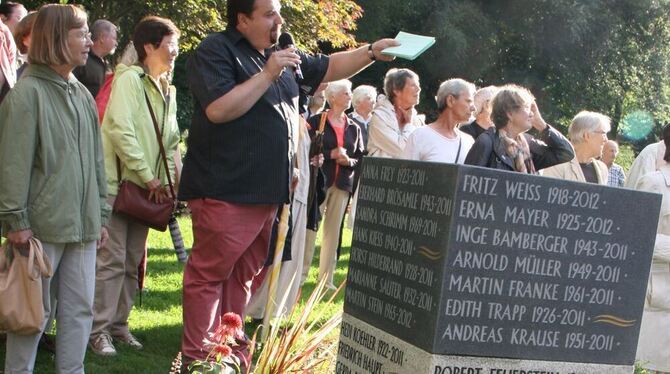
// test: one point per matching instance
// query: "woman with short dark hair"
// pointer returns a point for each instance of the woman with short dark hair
(53, 189)
(509, 147)
(132, 153)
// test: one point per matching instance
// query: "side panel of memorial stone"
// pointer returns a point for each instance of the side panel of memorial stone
(399, 246)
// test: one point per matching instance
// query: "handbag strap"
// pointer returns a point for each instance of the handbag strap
(159, 138)
(43, 263)
(36, 256)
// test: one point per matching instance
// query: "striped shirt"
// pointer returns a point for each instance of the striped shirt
(246, 160)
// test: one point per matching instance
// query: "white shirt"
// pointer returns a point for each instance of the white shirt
(359, 118)
(426, 144)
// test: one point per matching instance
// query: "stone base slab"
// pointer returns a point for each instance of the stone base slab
(364, 349)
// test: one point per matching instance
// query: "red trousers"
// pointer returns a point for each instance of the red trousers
(230, 245)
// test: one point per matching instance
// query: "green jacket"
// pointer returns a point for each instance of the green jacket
(128, 131)
(52, 176)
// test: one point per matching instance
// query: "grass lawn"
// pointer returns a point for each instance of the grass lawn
(157, 323)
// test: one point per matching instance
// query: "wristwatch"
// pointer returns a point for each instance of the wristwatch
(371, 54)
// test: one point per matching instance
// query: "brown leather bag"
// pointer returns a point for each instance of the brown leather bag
(21, 309)
(133, 201)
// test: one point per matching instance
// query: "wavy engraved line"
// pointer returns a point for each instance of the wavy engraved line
(431, 255)
(615, 318)
(614, 323)
(434, 258)
(429, 251)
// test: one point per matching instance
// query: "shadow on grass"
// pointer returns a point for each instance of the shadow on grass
(339, 276)
(157, 323)
(158, 301)
(161, 344)
(165, 257)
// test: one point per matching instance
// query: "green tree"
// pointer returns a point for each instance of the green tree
(602, 55)
(310, 22)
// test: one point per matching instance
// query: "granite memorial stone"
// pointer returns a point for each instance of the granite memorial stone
(466, 270)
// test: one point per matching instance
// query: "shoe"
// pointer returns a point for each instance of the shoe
(130, 340)
(102, 345)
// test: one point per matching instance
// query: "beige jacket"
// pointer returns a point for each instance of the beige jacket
(385, 138)
(573, 172)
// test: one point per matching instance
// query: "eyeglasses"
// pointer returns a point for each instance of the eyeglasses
(170, 46)
(601, 132)
(82, 35)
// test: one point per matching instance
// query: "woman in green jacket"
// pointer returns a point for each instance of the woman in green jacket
(129, 139)
(53, 181)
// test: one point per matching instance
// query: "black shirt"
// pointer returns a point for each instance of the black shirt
(589, 171)
(92, 75)
(473, 129)
(246, 160)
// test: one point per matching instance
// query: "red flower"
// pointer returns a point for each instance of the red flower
(224, 350)
(230, 328)
(232, 321)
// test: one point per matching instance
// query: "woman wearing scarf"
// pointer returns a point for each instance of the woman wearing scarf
(509, 147)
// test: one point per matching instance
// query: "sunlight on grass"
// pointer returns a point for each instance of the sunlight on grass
(157, 323)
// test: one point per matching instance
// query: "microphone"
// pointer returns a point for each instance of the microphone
(286, 41)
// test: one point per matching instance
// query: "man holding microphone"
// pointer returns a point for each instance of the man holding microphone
(238, 168)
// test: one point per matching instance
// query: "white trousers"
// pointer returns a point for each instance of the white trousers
(335, 208)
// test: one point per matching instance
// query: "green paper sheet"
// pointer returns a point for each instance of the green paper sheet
(411, 45)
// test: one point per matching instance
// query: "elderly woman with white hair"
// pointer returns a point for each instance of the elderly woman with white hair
(394, 117)
(342, 150)
(442, 141)
(509, 147)
(588, 134)
(482, 113)
(363, 100)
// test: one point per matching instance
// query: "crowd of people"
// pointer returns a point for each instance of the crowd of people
(72, 129)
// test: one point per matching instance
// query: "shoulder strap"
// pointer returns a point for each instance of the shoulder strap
(322, 121)
(458, 152)
(159, 138)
